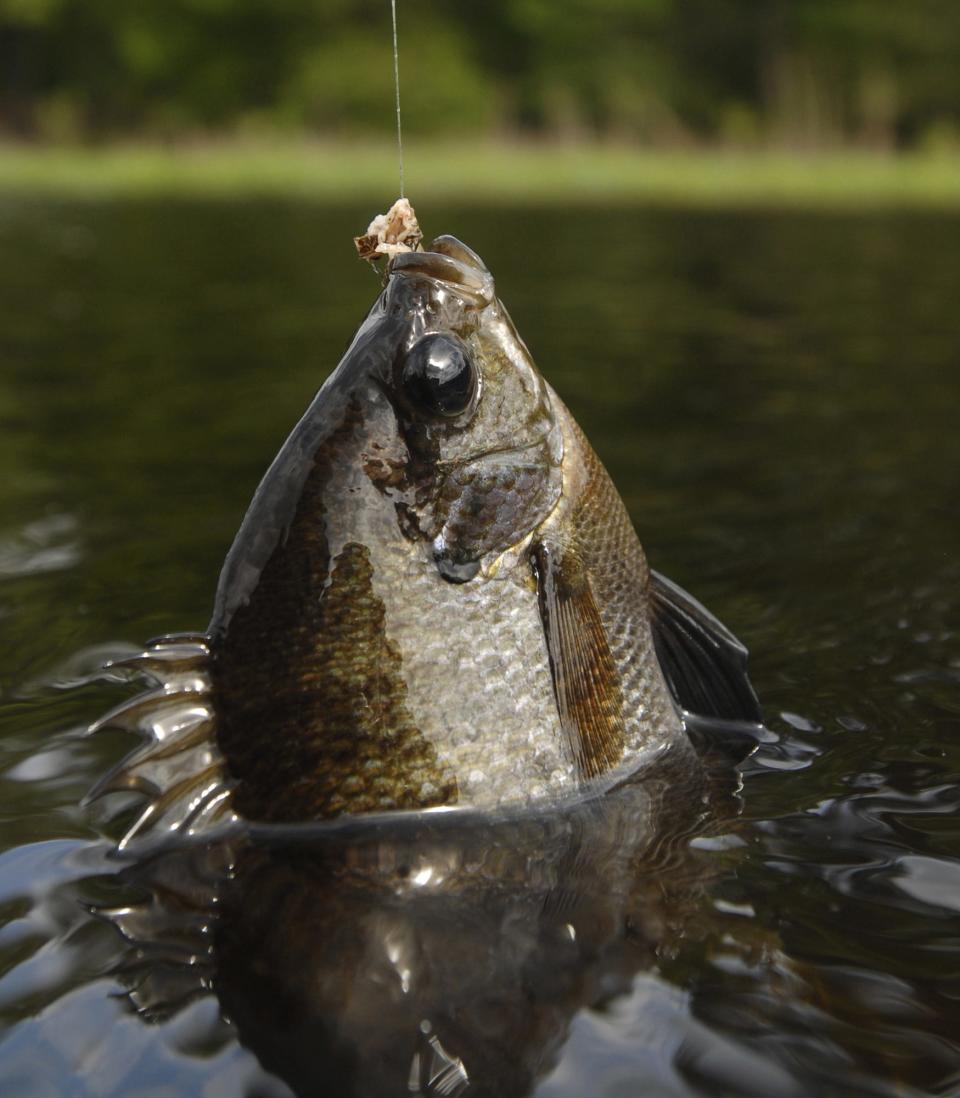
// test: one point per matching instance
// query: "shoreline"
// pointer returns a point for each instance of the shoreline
(485, 172)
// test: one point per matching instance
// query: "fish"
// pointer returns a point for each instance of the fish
(436, 599)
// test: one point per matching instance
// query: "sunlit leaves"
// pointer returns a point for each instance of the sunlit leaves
(816, 72)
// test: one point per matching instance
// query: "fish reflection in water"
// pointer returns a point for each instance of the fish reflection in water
(423, 953)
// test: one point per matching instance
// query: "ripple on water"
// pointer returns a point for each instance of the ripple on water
(45, 545)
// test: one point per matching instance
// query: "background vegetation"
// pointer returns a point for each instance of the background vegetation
(800, 74)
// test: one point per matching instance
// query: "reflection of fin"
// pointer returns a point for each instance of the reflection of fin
(729, 741)
(170, 935)
(703, 662)
(433, 1071)
(584, 675)
(180, 767)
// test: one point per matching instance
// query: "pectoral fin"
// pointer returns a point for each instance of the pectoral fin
(703, 662)
(585, 680)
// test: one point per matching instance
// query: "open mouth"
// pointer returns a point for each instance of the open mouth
(451, 262)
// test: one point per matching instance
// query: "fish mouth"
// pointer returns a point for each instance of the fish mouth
(450, 262)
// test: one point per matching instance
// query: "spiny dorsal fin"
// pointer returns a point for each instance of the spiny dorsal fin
(180, 768)
(703, 662)
(585, 680)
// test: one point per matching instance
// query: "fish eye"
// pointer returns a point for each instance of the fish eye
(439, 375)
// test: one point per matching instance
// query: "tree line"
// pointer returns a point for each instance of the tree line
(879, 73)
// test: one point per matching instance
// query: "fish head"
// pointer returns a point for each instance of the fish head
(477, 449)
(435, 433)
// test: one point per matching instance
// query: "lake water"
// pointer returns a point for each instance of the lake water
(776, 396)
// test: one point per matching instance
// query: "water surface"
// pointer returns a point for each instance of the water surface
(776, 397)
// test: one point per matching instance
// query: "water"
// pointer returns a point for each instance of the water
(776, 396)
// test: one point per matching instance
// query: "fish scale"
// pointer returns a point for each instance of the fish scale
(478, 681)
(620, 577)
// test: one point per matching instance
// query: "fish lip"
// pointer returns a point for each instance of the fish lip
(451, 246)
(451, 264)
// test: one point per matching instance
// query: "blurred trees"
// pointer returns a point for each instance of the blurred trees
(801, 72)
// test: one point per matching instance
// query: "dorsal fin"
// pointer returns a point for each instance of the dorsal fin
(585, 681)
(180, 767)
(703, 662)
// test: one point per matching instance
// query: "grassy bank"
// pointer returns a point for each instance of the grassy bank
(487, 173)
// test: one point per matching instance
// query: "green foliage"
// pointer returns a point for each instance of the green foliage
(346, 83)
(879, 73)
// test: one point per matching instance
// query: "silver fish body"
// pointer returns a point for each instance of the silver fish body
(436, 598)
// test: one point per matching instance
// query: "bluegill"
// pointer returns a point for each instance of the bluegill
(436, 598)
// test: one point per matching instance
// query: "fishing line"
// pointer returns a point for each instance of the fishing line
(396, 84)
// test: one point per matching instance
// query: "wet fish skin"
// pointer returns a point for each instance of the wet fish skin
(339, 625)
(436, 598)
